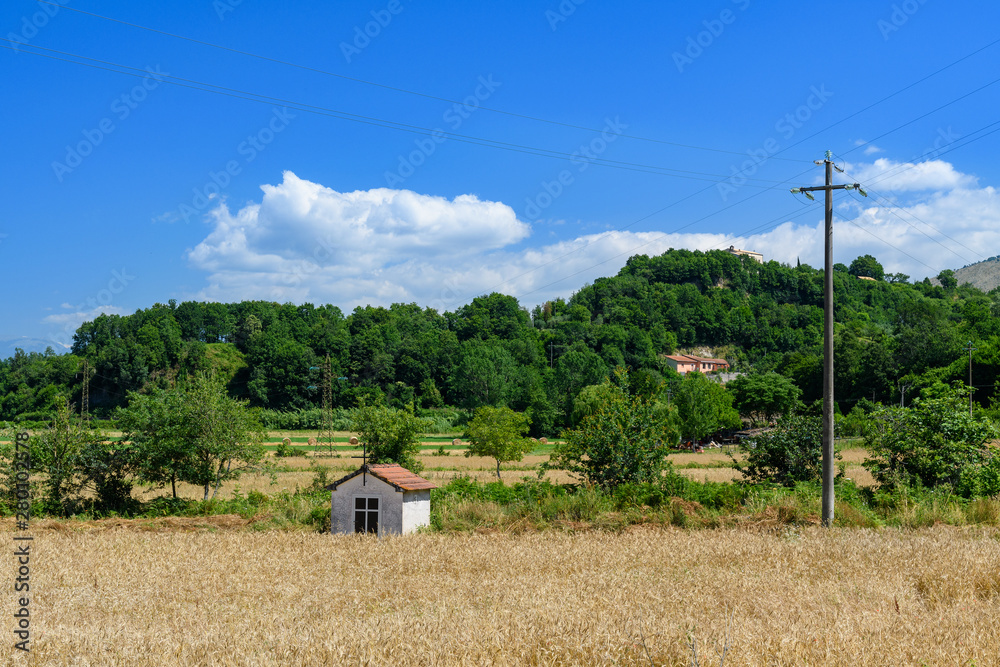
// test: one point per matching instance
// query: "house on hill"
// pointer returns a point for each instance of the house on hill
(685, 363)
(380, 498)
(733, 250)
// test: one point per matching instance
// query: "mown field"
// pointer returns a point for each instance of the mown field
(206, 592)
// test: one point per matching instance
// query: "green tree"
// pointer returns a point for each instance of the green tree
(498, 433)
(934, 441)
(867, 266)
(390, 435)
(625, 440)
(57, 454)
(790, 453)
(703, 406)
(948, 279)
(487, 374)
(155, 426)
(194, 433)
(764, 396)
(227, 437)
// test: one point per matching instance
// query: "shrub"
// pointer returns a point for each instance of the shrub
(624, 440)
(934, 442)
(790, 453)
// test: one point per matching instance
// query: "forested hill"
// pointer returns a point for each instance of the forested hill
(493, 351)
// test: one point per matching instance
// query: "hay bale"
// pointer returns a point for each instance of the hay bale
(544, 441)
(353, 440)
(456, 442)
(312, 442)
(287, 442)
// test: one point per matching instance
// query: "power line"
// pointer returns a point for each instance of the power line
(888, 206)
(380, 122)
(955, 145)
(891, 95)
(838, 122)
(906, 167)
(922, 116)
(388, 87)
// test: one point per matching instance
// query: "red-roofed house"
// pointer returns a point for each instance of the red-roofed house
(380, 498)
(685, 363)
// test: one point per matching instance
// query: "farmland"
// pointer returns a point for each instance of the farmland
(207, 592)
(495, 586)
(444, 461)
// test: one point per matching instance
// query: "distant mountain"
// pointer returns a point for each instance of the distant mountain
(985, 275)
(8, 345)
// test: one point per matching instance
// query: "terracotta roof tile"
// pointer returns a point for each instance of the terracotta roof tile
(390, 473)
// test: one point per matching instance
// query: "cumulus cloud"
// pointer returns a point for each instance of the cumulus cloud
(886, 174)
(306, 242)
(64, 324)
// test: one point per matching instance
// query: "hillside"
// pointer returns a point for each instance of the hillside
(983, 275)
(494, 351)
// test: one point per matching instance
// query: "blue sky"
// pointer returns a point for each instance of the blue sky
(398, 151)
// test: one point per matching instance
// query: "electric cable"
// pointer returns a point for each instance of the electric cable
(388, 87)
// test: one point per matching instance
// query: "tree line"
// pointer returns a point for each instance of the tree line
(892, 339)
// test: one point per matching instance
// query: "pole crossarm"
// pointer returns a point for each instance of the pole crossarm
(828, 406)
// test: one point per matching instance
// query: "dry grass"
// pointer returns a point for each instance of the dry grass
(859, 475)
(442, 469)
(842, 597)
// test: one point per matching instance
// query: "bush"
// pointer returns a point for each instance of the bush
(284, 450)
(790, 453)
(934, 442)
(624, 439)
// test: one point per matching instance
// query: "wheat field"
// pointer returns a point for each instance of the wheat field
(208, 592)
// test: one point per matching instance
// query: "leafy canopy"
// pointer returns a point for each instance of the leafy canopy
(790, 453)
(933, 442)
(390, 435)
(194, 433)
(703, 406)
(625, 440)
(764, 396)
(498, 433)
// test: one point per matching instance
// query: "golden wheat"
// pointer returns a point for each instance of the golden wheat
(838, 597)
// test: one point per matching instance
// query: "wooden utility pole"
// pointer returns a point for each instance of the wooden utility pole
(971, 390)
(828, 188)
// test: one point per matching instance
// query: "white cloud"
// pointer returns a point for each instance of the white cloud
(65, 324)
(305, 242)
(886, 174)
(872, 150)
